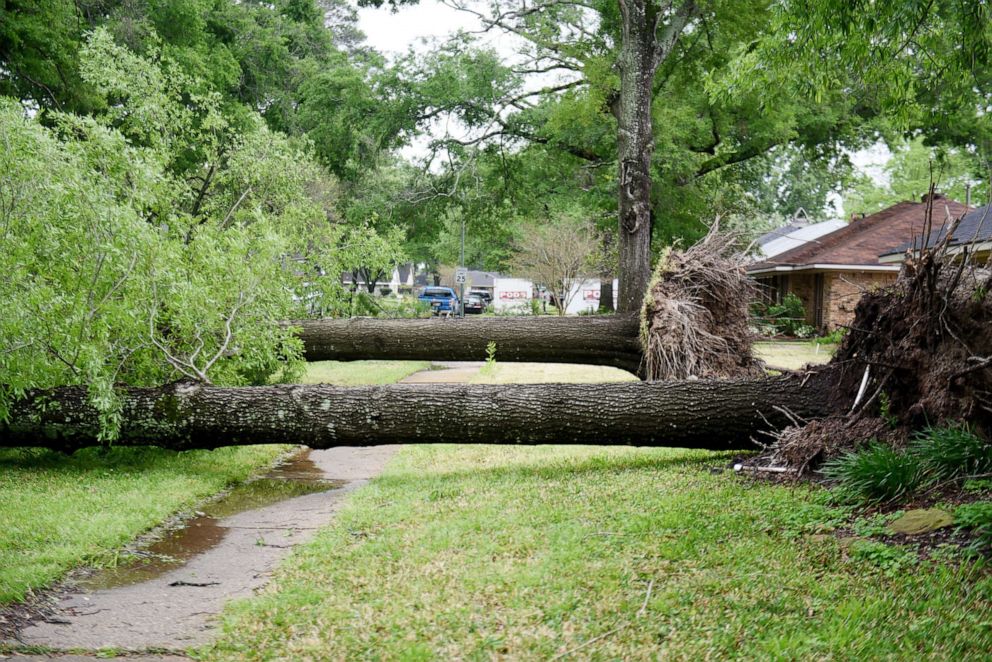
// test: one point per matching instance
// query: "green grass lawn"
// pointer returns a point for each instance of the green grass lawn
(58, 512)
(539, 373)
(478, 552)
(502, 552)
(355, 373)
(794, 354)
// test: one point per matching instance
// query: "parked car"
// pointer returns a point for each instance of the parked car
(485, 295)
(474, 304)
(441, 299)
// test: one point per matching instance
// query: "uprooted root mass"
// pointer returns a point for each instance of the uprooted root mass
(695, 322)
(926, 347)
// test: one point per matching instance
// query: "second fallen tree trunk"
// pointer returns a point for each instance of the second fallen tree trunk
(718, 415)
(595, 340)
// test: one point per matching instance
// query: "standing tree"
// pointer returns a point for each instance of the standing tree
(370, 256)
(635, 86)
(566, 35)
(556, 256)
(649, 31)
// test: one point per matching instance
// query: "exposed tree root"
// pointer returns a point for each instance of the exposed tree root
(695, 317)
(925, 344)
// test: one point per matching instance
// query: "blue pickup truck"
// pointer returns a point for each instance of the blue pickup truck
(442, 300)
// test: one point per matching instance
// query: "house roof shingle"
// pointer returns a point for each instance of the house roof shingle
(974, 228)
(862, 242)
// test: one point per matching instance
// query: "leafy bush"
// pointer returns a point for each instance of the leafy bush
(490, 367)
(951, 451)
(835, 337)
(788, 317)
(363, 305)
(978, 518)
(881, 473)
(875, 473)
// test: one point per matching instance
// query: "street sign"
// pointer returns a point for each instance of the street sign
(461, 275)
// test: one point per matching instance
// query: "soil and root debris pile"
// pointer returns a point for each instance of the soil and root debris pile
(918, 354)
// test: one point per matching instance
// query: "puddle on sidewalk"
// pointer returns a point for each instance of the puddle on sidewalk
(295, 477)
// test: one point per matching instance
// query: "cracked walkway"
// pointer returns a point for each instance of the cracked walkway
(178, 609)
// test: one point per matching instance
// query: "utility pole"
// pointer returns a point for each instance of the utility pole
(461, 265)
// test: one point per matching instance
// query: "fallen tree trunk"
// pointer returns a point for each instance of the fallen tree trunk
(607, 340)
(691, 414)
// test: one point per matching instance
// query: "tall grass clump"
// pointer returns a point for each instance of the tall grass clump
(952, 451)
(875, 473)
(976, 517)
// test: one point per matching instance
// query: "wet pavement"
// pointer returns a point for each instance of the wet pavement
(168, 596)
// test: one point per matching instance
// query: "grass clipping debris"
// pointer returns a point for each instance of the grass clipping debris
(695, 320)
(918, 354)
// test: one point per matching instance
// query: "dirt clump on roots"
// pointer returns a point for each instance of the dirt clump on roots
(918, 354)
(695, 319)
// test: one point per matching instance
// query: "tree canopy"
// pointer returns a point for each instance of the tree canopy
(179, 175)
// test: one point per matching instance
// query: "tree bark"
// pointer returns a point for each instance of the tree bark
(605, 340)
(691, 414)
(606, 293)
(635, 141)
(645, 43)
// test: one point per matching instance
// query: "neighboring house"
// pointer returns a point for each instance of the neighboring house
(972, 235)
(402, 276)
(830, 273)
(793, 236)
(481, 280)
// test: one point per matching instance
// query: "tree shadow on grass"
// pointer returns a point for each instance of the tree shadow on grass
(133, 458)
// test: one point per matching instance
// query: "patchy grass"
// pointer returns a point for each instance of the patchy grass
(793, 355)
(547, 373)
(505, 552)
(355, 373)
(58, 512)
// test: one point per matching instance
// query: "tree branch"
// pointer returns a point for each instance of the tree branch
(748, 151)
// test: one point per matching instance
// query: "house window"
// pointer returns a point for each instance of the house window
(772, 290)
(781, 288)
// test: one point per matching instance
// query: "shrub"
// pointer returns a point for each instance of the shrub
(951, 452)
(788, 317)
(978, 518)
(835, 337)
(875, 473)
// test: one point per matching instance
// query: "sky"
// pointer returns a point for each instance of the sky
(393, 32)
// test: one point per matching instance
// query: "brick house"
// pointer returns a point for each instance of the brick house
(831, 272)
